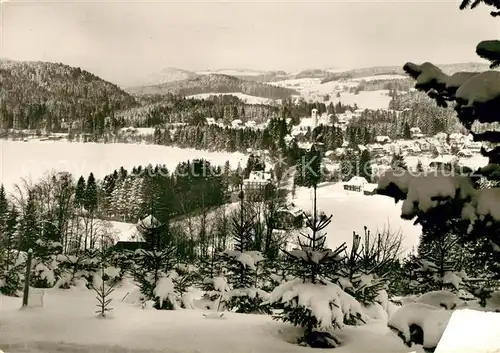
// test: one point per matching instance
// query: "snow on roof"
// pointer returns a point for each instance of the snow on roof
(471, 331)
(445, 158)
(456, 135)
(293, 210)
(357, 180)
(382, 138)
(149, 221)
(370, 187)
(305, 145)
(258, 175)
(329, 153)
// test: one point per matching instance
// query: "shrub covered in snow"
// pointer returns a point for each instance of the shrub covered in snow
(12, 275)
(244, 279)
(44, 265)
(151, 270)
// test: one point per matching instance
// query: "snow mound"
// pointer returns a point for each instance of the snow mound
(430, 319)
(440, 299)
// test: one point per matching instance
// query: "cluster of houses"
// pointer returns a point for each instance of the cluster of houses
(237, 124)
(441, 143)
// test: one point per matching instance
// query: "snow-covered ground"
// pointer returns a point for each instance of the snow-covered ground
(352, 211)
(313, 89)
(244, 97)
(35, 158)
(67, 323)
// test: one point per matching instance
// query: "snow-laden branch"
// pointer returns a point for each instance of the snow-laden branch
(476, 94)
(422, 193)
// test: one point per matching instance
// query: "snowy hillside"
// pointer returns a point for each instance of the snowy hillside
(313, 89)
(34, 159)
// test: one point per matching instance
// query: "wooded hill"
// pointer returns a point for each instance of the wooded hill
(215, 84)
(173, 108)
(41, 94)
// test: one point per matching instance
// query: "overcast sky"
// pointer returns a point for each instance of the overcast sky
(123, 41)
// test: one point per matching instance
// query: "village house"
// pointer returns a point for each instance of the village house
(382, 139)
(256, 183)
(441, 137)
(474, 146)
(416, 133)
(465, 153)
(457, 140)
(290, 217)
(423, 145)
(375, 149)
(443, 161)
(356, 183)
(236, 124)
(370, 189)
(210, 121)
(251, 124)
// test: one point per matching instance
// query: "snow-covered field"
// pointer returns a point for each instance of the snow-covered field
(312, 88)
(352, 211)
(35, 158)
(244, 97)
(67, 324)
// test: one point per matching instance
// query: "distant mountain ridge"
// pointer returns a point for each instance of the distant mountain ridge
(215, 83)
(326, 75)
(398, 70)
(169, 74)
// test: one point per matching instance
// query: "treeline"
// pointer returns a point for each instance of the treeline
(364, 72)
(216, 84)
(74, 212)
(174, 108)
(192, 185)
(39, 94)
(398, 85)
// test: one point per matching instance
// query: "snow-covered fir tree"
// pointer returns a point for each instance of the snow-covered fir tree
(311, 299)
(242, 265)
(154, 265)
(365, 269)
